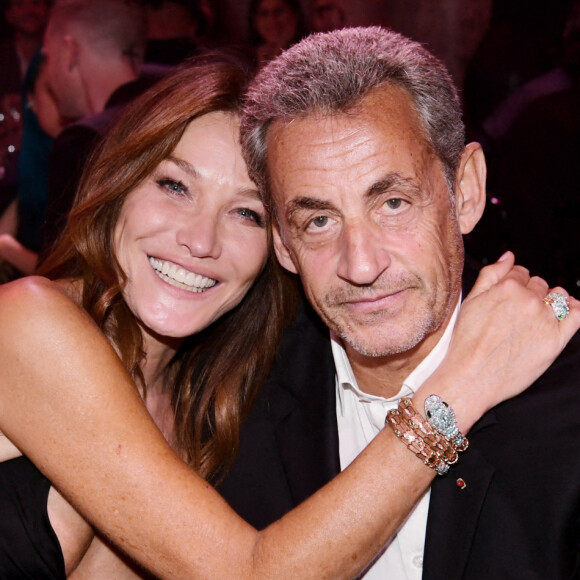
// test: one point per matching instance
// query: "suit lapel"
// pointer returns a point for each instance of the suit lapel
(309, 451)
(307, 435)
(454, 509)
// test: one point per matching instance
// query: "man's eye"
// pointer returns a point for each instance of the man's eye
(394, 203)
(319, 222)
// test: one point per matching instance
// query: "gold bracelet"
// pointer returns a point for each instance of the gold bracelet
(435, 450)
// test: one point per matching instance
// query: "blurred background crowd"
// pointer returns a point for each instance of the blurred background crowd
(515, 63)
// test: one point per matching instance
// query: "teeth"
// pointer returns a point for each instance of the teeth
(180, 277)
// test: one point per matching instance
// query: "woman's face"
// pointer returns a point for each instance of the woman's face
(275, 22)
(192, 237)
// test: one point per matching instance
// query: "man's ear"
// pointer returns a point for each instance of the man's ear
(71, 51)
(282, 252)
(470, 187)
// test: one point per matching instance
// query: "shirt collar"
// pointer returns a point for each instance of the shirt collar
(346, 380)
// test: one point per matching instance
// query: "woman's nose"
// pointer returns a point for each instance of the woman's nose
(200, 236)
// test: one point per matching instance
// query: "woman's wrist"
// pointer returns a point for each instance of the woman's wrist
(433, 436)
(467, 404)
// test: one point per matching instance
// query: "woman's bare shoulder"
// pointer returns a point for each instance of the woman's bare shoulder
(39, 298)
(39, 318)
(33, 290)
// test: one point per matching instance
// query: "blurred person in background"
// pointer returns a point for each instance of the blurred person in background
(274, 25)
(27, 20)
(21, 222)
(94, 54)
(327, 15)
(173, 28)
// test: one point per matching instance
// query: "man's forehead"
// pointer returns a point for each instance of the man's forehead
(377, 146)
(386, 117)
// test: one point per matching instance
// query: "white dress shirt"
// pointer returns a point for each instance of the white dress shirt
(360, 417)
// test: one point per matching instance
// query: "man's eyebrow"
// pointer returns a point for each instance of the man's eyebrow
(306, 203)
(390, 181)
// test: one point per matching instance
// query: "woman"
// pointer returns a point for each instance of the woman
(169, 237)
(274, 25)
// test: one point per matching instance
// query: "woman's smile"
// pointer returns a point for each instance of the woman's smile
(180, 277)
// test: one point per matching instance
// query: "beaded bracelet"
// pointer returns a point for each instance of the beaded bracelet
(434, 449)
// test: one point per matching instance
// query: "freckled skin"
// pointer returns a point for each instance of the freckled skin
(366, 219)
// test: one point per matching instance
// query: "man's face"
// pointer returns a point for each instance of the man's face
(63, 75)
(367, 221)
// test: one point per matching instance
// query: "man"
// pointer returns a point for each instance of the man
(356, 139)
(91, 49)
(94, 52)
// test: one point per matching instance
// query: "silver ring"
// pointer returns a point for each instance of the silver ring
(559, 304)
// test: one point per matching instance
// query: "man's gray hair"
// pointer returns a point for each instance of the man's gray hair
(332, 72)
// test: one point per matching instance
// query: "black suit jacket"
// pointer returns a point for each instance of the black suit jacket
(518, 515)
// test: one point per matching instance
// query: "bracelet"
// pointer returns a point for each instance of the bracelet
(441, 417)
(433, 448)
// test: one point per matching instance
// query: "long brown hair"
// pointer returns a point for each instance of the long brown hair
(214, 376)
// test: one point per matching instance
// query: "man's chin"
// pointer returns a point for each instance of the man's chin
(379, 343)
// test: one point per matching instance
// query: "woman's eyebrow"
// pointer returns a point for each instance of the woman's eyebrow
(183, 165)
(250, 192)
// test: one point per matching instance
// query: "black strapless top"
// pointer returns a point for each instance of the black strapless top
(29, 547)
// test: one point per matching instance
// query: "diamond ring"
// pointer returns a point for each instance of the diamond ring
(559, 304)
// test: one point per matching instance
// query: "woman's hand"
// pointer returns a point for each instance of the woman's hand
(504, 339)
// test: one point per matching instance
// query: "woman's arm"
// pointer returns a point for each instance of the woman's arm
(67, 402)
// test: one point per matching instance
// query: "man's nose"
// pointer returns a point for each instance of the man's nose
(363, 255)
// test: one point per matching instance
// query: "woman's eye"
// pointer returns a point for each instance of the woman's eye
(251, 215)
(173, 186)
